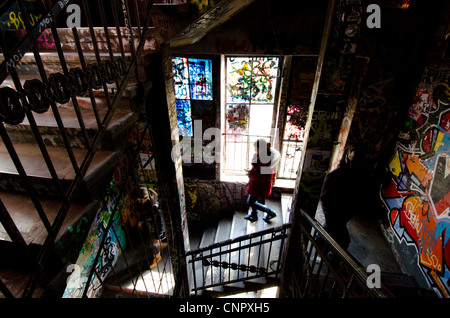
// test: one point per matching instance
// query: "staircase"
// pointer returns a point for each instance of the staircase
(234, 255)
(56, 161)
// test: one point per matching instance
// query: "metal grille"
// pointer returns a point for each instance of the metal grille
(253, 258)
(106, 75)
(324, 270)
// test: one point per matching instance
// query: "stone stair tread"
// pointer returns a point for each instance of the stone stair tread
(27, 220)
(131, 89)
(222, 234)
(34, 164)
(70, 121)
(16, 279)
(237, 226)
(68, 43)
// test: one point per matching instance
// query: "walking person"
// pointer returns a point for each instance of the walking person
(342, 196)
(261, 179)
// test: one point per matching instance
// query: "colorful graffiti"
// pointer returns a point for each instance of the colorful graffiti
(206, 199)
(417, 194)
(115, 241)
(296, 121)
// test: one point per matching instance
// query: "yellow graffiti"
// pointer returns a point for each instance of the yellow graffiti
(203, 5)
(394, 165)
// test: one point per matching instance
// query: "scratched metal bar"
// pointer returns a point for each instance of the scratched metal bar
(87, 12)
(66, 73)
(84, 67)
(108, 39)
(29, 113)
(117, 24)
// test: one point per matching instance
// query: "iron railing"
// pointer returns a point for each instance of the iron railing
(22, 97)
(324, 270)
(144, 267)
(253, 258)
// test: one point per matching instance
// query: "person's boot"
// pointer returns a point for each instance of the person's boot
(252, 217)
(270, 215)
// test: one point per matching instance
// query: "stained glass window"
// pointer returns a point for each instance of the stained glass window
(192, 81)
(181, 77)
(184, 117)
(251, 79)
(296, 121)
(200, 79)
(250, 84)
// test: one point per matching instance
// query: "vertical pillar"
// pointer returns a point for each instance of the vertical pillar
(162, 116)
(291, 253)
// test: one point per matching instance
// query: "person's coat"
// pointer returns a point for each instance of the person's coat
(262, 175)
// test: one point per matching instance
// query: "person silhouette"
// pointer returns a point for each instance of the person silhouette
(261, 179)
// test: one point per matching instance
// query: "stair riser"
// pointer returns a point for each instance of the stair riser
(114, 138)
(43, 187)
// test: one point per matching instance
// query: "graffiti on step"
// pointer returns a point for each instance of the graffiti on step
(417, 195)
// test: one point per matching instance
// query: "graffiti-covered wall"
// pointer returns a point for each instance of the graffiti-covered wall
(115, 241)
(417, 194)
(211, 199)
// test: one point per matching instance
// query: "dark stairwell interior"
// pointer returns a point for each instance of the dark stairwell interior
(88, 120)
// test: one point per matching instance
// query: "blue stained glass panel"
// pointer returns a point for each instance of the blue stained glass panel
(184, 118)
(200, 78)
(180, 77)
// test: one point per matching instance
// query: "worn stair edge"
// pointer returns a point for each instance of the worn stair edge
(38, 173)
(272, 252)
(120, 123)
(132, 90)
(28, 222)
(222, 234)
(238, 228)
(68, 43)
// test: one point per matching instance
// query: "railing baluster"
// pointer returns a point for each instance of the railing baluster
(117, 24)
(108, 39)
(33, 124)
(67, 74)
(84, 68)
(96, 50)
(246, 270)
(5, 291)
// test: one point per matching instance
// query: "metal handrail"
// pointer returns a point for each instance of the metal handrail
(259, 267)
(336, 261)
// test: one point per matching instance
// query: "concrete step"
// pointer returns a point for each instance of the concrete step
(131, 99)
(258, 256)
(38, 173)
(15, 264)
(46, 41)
(222, 234)
(115, 137)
